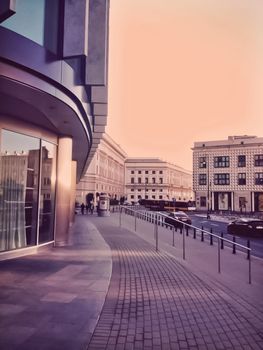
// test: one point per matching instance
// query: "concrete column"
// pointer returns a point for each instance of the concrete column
(63, 197)
(73, 190)
(232, 201)
(252, 201)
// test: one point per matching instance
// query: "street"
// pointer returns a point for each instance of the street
(217, 226)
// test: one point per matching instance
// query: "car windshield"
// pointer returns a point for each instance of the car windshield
(182, 215)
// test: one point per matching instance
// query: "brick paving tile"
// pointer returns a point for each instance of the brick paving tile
(153, 302)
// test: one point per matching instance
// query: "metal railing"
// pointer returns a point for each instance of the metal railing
(158, 219)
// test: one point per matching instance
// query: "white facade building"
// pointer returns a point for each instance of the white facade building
(153, 178)
(228, 174)
(105, 173)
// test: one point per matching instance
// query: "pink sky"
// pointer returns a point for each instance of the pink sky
(182, 71)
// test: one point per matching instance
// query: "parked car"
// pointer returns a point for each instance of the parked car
(178, 215)
(246, 226)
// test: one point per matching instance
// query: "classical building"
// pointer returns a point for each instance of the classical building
(105, 173)
(153, 178)
(228, 174)
(53, 112)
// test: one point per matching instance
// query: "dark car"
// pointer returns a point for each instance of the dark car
(246, 227)
(178, 215)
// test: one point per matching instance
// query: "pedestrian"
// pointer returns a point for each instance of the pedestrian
(91, 207)
(82, 207)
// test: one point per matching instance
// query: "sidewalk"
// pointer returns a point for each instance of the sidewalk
(154, 300)
(52, 300)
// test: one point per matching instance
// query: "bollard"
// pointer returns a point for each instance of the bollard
(187, 228)
(173, 236)
(181, 229)
(202, 234)
(234, 246)
(248, 251)
(120, 217)
(222, 242)
(194, 233)
(211, 237)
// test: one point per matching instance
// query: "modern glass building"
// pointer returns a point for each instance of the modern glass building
(53, 112)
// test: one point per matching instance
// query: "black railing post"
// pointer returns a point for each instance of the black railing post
(248, 251)
(234, 246)
(202, 234)
(222, 241)
(211, 237)
(194, 233)
(187, 228)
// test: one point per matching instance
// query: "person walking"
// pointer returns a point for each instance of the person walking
(82, 207)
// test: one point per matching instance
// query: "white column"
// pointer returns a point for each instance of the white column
(63, 196)
(232, 201)
(252, 201)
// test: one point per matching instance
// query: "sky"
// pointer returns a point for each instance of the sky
(182, 71)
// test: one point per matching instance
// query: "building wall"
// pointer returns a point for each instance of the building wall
(105, 173)
(235, 194)
(165, 180)
(53, 92)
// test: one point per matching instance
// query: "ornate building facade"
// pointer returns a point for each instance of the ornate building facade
(105, 173)
(228, 174)
(153, 178)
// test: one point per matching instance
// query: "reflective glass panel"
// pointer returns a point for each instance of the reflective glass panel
(19, 173)
(47, 192)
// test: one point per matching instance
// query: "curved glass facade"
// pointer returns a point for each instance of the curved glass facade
(27, 190)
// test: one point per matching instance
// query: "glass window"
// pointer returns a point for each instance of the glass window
(202, 179)
(153, 180)
(160, 172)
(139, 180)
(139, 171)
(153, 172)
(19, 174)
(146, 180)
(202, 201)
(259, 179)
(202, 162)
(241, 178)
(221, 179)
(132, 171)
(221, 162)
(47, 192)
(161, 180)
(241, 161)
(42, 27)
(146, 172)
(259, 160)
(160, 197)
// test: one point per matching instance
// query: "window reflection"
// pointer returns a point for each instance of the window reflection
(19, 173)
(47, 193)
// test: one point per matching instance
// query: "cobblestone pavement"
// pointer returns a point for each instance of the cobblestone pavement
(153, 302)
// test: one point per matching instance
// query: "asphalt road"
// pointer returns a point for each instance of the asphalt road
(256, 244)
